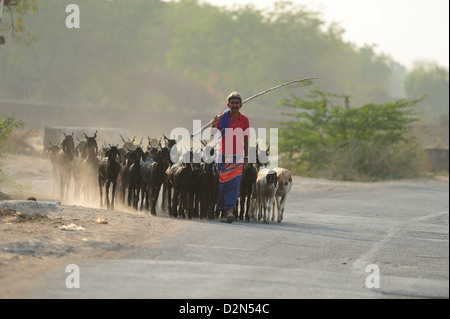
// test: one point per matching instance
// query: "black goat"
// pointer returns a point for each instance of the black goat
(127, 145)
(248, 179)
(195, 189)
(169, 142)
(127, 154)
(257, 159)
(154, 145)
(65, 163)
(89, 166)
(146, 174)
(153, 148)
(124, 175)
(171, 145)
(209, 184)
(108, 171)
(158, 176)
(262, 157)
(135, 176)
(179, 178)
(53, 150)
(77, 168)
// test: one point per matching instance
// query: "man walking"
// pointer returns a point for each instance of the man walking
(232, 155)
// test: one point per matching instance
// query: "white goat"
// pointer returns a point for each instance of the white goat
(284, 187)
(265, 189)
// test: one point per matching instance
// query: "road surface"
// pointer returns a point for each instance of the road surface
(337, 240)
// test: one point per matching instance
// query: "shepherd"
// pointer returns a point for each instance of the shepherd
(233, 149)
(233, 154)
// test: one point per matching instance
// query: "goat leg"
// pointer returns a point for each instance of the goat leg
(107, 194)
(282, 203)
(175, 200)
(136, 198)
(113, 193)
(130, 195)
(242, 206)
(154, 198)
(270, 210)
(100, 186)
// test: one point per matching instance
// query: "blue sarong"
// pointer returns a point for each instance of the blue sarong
(230, 173)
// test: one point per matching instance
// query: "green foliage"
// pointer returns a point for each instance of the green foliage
(430, 80)
(182, 56)
(341, 142)
(252, 50)
(14, 13)
(7, 125)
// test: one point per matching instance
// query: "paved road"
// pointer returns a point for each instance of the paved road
(331, 233)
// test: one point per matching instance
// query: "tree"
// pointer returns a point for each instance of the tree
(17, 10)
(341, 142)
(430, 80)
(7, 125)
(163, 56)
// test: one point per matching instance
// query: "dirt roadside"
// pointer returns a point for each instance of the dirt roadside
(32, 235)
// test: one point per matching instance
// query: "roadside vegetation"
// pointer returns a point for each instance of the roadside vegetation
(328, 138)
(7, 125)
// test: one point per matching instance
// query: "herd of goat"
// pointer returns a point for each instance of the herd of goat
(189, 187)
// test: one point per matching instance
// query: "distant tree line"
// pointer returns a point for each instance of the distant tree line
(186, 57)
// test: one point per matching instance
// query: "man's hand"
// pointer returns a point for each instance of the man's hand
(215, 120)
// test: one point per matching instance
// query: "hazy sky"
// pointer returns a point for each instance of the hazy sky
(407, 30)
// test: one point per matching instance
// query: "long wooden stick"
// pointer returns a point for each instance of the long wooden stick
(252, 97)
(277, 87)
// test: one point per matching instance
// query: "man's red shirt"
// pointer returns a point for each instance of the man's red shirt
(240, 131)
